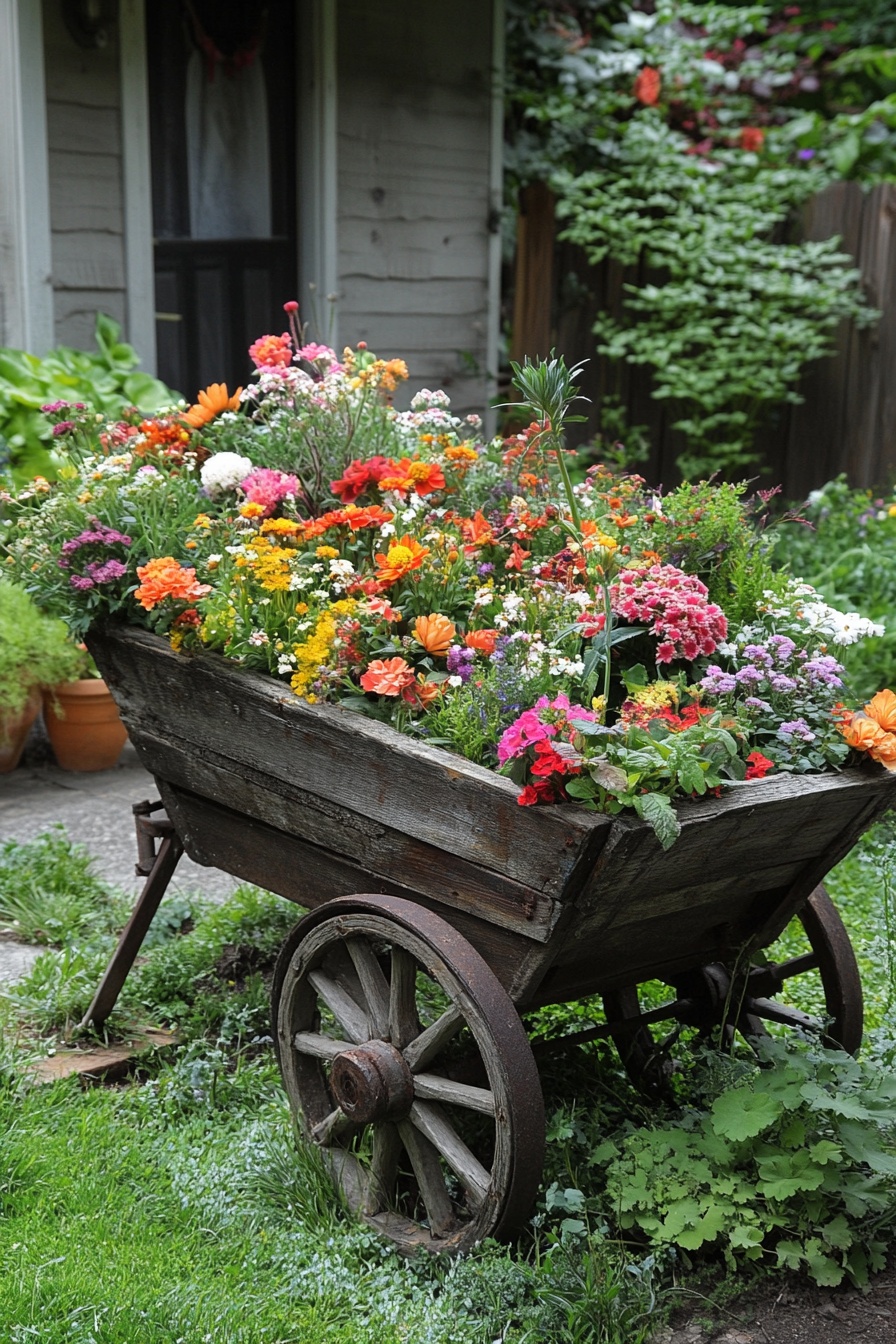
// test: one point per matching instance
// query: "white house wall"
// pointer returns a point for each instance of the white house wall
(414, 160)
(86, 188)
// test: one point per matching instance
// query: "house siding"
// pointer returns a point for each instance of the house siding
(413, 189)
(85, 170)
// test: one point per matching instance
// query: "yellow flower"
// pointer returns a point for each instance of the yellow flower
(326, 553)
(251, 510)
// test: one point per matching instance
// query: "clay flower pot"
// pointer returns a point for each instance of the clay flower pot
(83, 725)
(14, 730)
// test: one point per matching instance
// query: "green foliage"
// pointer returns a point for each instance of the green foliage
(49, 892)
(848, 552)
(793, 1165)
(106, 380)
(695, 178)
(35, 650)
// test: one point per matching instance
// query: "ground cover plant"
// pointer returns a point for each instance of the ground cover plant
(184, 1207)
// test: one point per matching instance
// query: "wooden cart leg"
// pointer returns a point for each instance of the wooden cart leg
(158, 866)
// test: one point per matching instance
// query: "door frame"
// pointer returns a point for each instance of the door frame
(316, 170)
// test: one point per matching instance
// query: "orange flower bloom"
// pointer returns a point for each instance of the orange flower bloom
(516, 557)
(861, 733)
(483, 640)
(421, 692)
(752, 138)
(212, 402)
(884, 750)
(477, 531)
(435, 633)
(165, 577)
(387, 676)
(647, 86)
(403, 556)
(882, 709)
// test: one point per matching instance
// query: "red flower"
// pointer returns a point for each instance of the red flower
(758, 765)
(752, 139)
(647, 86)
(516, 557)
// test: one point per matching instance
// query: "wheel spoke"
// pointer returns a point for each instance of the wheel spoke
(342, 1006)
(373, 985)
(783, 1013)
(428, 1044)
(432, 1087)
(320, 1047)
(332, 1125)
(428, 1170)
(383, 1168)
(429, 1119)
(795, 966)
(404, 1024)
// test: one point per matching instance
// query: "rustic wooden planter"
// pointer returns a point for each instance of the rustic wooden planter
(500, 907)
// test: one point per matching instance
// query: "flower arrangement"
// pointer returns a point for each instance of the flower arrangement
(598, 641)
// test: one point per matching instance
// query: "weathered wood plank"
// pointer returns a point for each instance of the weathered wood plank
(209, 706)
(382, 851)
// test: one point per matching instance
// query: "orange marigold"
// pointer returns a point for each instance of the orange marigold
(212, 402)
(421, 693)
(483, 640)
(435, 633)
(387, 676)
(882, 709)
(166, 577)
(402, 556)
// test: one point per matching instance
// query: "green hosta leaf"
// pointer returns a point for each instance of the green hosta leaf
(656, 810)
(740, 1114)
(825, 1271)
(838, 1233)
(706, 1228)
(609, 776)
(786, 1173)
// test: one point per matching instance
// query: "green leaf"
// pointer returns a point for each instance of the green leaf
(609, 776)
(656, 810)
(845, 153)
(739, 1114)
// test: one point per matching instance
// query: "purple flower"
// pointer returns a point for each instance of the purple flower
(759, 654)
(753, 702)
(81, 582)
(106, 571)
(460, 662)
(718, 682)
(781, 683)
(62, 427)
(805, 154)
(749, 674)
(796, 728)
(483, 570)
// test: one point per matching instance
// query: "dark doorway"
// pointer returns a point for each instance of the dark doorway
(222, 93)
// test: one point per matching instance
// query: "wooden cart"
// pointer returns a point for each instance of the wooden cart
(440, 909)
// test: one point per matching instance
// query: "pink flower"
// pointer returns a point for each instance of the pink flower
(271, 352)
(674, 608)
(268, 488)
(546, 719)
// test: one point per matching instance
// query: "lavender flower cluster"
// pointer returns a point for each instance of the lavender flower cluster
(766, 683)
(97, 570)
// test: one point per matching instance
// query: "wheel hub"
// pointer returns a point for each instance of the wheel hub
(372, 1082)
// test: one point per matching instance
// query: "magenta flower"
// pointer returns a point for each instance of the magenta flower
(269, 488)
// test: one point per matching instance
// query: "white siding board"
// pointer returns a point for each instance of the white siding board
(86, 190)
(83, 130)
(413, 187)
(88, 260)
(75, 314)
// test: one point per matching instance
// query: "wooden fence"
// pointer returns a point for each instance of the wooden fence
(847, 421)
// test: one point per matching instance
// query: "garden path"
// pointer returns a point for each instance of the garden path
(95, 809)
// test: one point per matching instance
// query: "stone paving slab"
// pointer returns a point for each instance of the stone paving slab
(95, 810)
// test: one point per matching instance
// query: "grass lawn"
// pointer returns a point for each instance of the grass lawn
(178, 1207)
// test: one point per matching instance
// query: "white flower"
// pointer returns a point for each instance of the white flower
(815, 497)
(224, 471)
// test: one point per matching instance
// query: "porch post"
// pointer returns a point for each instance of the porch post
(26, 282)
(317, 172)
(137, 186)
(496, 209)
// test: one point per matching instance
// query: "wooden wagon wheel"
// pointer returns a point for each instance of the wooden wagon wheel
(720, 1000)
(406, 1061)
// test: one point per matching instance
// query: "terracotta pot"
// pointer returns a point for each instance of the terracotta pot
(14, 730)
(83, 725)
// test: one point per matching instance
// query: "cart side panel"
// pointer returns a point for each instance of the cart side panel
(741, 868)
(384, 854)
(291, 867)
(207, 708)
